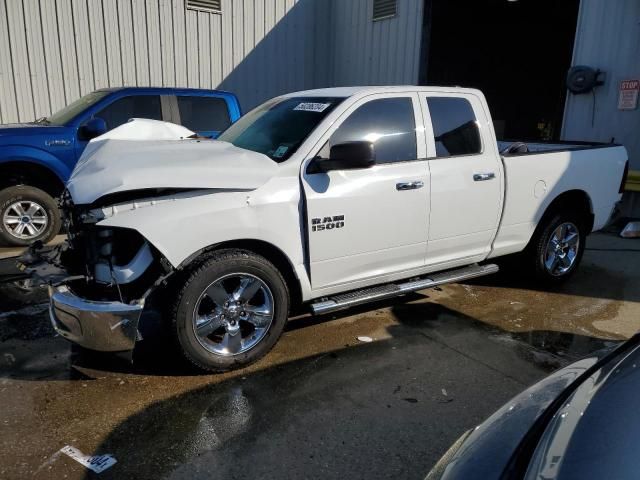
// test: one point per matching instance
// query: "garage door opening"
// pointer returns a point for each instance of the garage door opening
(516, 51)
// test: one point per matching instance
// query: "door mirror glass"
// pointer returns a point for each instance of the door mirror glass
(95, 127)
(348, 156)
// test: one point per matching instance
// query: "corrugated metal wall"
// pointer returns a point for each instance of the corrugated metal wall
(54, 51)
(386, 52)
(608, 37)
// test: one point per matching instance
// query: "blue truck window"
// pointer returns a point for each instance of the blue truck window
(61, 117)
(137, 106)
(204, 114)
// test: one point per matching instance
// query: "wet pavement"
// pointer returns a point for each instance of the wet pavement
(7, 252)
(322, 404)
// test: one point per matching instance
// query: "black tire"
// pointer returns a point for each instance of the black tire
(25, 193)
(536, 252)
(219, 265)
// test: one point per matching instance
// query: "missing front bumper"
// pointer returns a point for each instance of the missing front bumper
(96, 325)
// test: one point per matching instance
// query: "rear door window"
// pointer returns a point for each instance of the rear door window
(203, 114)
(388, 123)
(136, 106)
(454, 126)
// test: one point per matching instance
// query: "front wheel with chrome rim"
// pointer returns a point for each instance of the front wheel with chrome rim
(230, 311)
(558, 246)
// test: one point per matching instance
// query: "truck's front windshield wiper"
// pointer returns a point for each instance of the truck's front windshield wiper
(43, 120)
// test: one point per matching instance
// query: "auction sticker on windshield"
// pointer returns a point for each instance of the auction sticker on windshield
(312, 107)
(281, 150)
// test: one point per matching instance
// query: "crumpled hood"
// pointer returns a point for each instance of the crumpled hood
(149, 154)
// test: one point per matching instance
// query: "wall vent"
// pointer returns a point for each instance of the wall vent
(383, 9)
(205, 5)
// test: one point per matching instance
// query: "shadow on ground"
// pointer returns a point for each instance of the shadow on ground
(386, 409)
(590, 281)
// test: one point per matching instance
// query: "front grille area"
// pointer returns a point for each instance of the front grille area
(90, 244)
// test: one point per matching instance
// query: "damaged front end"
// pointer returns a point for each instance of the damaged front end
(99, 280)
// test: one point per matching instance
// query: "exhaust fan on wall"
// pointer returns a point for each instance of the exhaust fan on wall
(583, 79)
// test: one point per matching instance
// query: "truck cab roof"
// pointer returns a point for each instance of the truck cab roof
(371, 89)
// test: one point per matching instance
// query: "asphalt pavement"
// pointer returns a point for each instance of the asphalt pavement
(322, 404)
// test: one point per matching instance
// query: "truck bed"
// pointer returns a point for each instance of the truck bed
(542, 147)
(534, 178)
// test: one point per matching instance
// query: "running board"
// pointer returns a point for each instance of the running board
(358, 297)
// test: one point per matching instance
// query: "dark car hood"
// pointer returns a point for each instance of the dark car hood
(595, 435)
(501, 444)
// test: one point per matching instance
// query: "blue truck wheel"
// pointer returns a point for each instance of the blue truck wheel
(27, 214)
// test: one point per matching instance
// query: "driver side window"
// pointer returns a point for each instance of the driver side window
(388, 123)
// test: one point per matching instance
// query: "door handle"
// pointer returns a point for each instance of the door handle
(409, 185)
(480, 177)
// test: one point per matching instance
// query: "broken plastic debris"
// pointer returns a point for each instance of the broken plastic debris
(97, 463)
(365, 339)
(632, 230)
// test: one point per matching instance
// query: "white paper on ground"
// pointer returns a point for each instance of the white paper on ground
(365, 339)
(97, 463)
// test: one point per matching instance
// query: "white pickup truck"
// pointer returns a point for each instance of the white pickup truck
(328, 198)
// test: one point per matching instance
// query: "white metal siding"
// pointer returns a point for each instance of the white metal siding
(53, 51)
(608, 37)
(385, 52)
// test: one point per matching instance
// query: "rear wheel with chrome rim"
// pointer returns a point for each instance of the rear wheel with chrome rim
(27, 214)
(557, 247)
(562, 249)
(230, 311)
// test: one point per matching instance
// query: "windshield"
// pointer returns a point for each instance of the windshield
(62, 117)
(278, 127)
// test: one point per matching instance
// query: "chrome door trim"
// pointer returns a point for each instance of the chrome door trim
(480, 177)
(409, 185)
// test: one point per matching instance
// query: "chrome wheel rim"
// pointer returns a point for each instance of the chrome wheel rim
(25, 220)
(233, 314)
(562, 249)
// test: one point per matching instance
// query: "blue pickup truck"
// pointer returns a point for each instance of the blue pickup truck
(36, 158)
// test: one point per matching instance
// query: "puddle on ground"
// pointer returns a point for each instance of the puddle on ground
(553, 350)
(518, 306)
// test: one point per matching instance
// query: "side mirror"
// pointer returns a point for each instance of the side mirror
(92, 129)
(348, 156)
